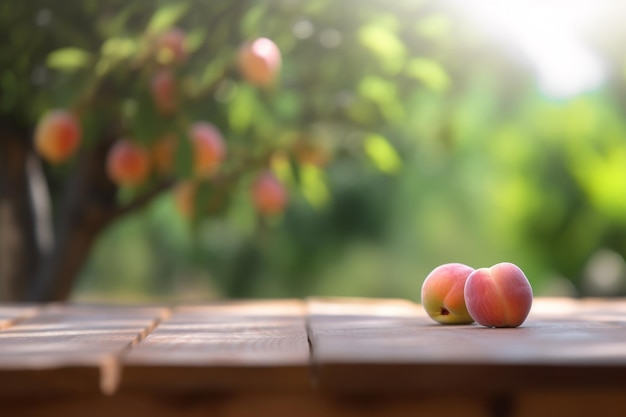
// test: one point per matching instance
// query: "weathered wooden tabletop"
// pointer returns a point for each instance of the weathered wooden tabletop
(313, 357)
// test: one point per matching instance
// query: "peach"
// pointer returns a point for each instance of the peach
(500, 296)
(268, 194)
(128, 164)
(208, 147)
(57, 136)
(163, 152)
(164, 92)
(259, 62)
(442, 294)
(170, 47)
(184, 197)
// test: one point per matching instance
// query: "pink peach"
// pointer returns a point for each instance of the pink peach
(259, 62)
(442, 294)
(500, 296)
(128, 164)
(164, 92)
(57, 136)
(171, 48)
(268, 194)
(208, 147)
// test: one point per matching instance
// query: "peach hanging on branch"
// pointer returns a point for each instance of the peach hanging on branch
(170, 47)
(269, 195)
(164, 92)
(259, 62)
(128, 164)
(208, 146)
(58, 136)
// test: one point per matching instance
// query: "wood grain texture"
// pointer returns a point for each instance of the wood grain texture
(235, 345)
(70, 348)
(359, 348)
(563, 343)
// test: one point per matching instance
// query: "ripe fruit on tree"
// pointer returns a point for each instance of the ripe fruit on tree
(500, 296)
(170, 47)
(57, 136)
(163, 154)
(128, 164)
(259, 62)
(184, 197)
(268, 194)
(208, 146)
(164, 92)
(443, 294)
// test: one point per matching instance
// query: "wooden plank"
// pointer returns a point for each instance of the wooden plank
(12, 313)
(392, 345)
(223, 346)
(70, 348)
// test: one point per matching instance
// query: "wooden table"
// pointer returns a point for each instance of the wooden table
(319, 357)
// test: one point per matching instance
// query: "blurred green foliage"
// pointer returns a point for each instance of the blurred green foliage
(443, 150)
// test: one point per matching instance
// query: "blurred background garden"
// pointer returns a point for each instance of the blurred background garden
(401, 134)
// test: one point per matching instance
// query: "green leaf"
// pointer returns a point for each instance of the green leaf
(430, 72)
(252, 19)
(241, 109)
(383, 93)
(377, 89)
(166, 16)
(119, 48)
(68, 59)
(195, 39)
(313, 186)
(384, 44)
(382, 154)
(213, 71)
(119, 21)
(283, 168)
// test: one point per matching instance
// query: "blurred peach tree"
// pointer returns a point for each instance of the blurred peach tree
(308, 125)
(123, 101)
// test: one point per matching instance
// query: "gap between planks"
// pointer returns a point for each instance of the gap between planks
(111, 367)
(51, 341)
(342, 307)
(253, 344)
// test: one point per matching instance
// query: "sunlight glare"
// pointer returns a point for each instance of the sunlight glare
(550, 33)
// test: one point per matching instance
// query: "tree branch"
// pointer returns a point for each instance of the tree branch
(141, 200)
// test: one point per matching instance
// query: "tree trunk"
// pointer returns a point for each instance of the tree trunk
(25, 229)
(33, 265)
(88, 206)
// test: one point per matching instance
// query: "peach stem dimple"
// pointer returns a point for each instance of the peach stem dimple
(444, 311)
